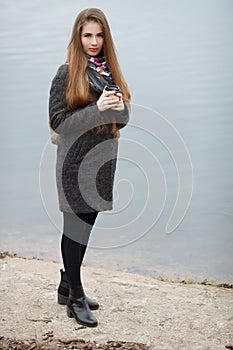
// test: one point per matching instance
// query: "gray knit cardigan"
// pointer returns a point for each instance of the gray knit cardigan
(86, 160)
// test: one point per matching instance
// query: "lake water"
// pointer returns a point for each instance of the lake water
(178, 60)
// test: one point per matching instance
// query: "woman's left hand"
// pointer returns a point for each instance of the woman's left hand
(120, 105)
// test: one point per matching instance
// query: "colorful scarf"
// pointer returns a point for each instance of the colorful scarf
(99, 65)
(98, 73)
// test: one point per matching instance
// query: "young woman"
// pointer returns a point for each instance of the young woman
(88, 105)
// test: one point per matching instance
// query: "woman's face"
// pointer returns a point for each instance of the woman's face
(92, 38)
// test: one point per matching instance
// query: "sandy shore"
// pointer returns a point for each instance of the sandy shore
(133, 308)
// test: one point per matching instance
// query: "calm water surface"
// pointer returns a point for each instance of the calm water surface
(177, 58)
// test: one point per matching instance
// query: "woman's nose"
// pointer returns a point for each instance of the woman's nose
(94, 40)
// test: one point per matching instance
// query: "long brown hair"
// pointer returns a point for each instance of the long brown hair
(77, 93)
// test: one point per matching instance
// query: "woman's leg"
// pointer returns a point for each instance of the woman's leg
(77, 229)
(76, 233)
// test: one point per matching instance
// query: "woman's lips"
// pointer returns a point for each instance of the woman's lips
(93, 50)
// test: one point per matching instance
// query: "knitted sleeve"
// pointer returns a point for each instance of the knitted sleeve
(122, 118)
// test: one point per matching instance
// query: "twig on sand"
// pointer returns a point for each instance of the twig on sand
(46, 320)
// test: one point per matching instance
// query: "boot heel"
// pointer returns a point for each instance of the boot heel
(69, 313)
(62, 299)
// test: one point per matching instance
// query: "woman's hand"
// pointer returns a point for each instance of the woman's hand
(109, 99)
(120, 105)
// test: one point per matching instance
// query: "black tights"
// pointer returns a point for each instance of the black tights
(76, 233)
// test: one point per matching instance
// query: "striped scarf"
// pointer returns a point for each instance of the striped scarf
(98, 73)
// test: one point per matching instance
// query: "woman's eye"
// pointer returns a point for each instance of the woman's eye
(88, 35)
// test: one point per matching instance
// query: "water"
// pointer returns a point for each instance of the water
(177, 58)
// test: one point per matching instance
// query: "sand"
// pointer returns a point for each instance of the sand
(133, 308)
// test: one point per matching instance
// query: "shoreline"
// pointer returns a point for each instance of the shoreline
(133, 308)
(203, 281)
(126, 260)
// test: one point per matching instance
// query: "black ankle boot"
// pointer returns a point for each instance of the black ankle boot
(78, 308)
(63, 289)
(63, 293)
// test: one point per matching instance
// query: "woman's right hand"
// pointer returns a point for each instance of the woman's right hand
(107, 100)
